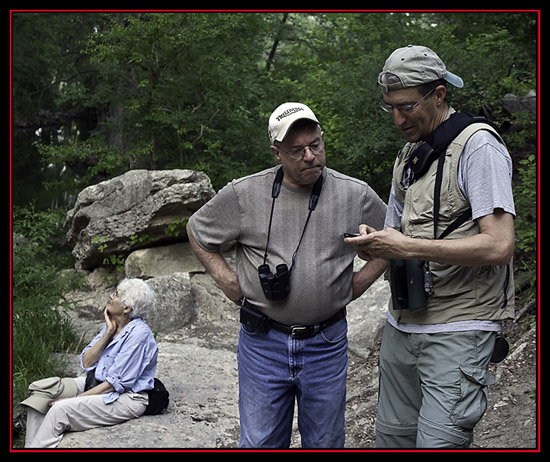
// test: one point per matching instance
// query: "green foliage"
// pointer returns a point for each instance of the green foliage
(177, 226)
(139, 239)
(95, 159)
(194, 90)
(96, 94)
(38, 329)
(525, 194)
(115, 261)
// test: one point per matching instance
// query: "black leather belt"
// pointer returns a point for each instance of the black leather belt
(263, 323)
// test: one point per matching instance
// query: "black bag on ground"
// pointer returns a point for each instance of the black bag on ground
(91, 381)
(158, 399)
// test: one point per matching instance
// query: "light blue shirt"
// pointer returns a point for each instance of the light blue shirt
(128, 362)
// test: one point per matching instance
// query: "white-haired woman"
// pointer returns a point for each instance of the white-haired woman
(120, 363)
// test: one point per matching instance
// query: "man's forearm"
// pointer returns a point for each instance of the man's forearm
(366, 276)
(494, 245)
(476, 250)
(216, 265)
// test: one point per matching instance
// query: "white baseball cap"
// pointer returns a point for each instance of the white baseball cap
(416, 65)
(284, 116)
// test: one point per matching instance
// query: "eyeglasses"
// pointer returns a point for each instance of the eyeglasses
(316, 148)
(403, 108)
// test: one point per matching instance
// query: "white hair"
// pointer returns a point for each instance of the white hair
(138, 295)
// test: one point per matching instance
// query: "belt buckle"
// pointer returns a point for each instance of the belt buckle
(297, 332)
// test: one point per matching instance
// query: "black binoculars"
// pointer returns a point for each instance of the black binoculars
(275, 286)
(407, 284)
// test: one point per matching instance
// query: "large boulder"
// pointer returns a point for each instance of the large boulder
(137, 209)
(162, 261)
(174, 307)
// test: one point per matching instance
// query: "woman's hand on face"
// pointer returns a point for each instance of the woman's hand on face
(111, 324)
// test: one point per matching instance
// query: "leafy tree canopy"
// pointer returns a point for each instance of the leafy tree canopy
(96, 94)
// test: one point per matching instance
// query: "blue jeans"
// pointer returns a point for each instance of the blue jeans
(275, 369)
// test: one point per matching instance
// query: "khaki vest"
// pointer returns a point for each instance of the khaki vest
(461, 293)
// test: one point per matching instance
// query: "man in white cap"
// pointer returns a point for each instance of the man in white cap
(449, 233)
(294, 277)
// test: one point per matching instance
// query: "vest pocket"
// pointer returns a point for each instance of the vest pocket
(455, 281)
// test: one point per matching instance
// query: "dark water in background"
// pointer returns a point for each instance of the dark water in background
(30, 176)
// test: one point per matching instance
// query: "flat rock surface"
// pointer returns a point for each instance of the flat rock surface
(198, 365)
(203, 410)
(199, 368)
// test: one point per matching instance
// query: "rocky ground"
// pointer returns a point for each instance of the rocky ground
(198, 366)
(197, 363)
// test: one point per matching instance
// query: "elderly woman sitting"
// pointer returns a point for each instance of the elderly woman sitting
(121, 361)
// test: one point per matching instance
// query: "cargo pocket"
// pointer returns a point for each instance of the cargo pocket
(472, 403)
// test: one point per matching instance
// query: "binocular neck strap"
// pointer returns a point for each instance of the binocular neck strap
(314, 198)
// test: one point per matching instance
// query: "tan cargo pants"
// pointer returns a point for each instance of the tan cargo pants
(80, 413)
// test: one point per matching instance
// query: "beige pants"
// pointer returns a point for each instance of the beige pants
(80, 413)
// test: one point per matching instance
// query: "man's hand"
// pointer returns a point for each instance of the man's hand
(230, 286)
(494, 245)
(372, 244)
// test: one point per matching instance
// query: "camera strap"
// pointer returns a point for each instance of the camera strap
(436, 142)
(433, 148)
(313, 200)
(440, 139)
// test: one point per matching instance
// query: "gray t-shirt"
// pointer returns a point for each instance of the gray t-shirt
(321, 277)
(485, 179)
